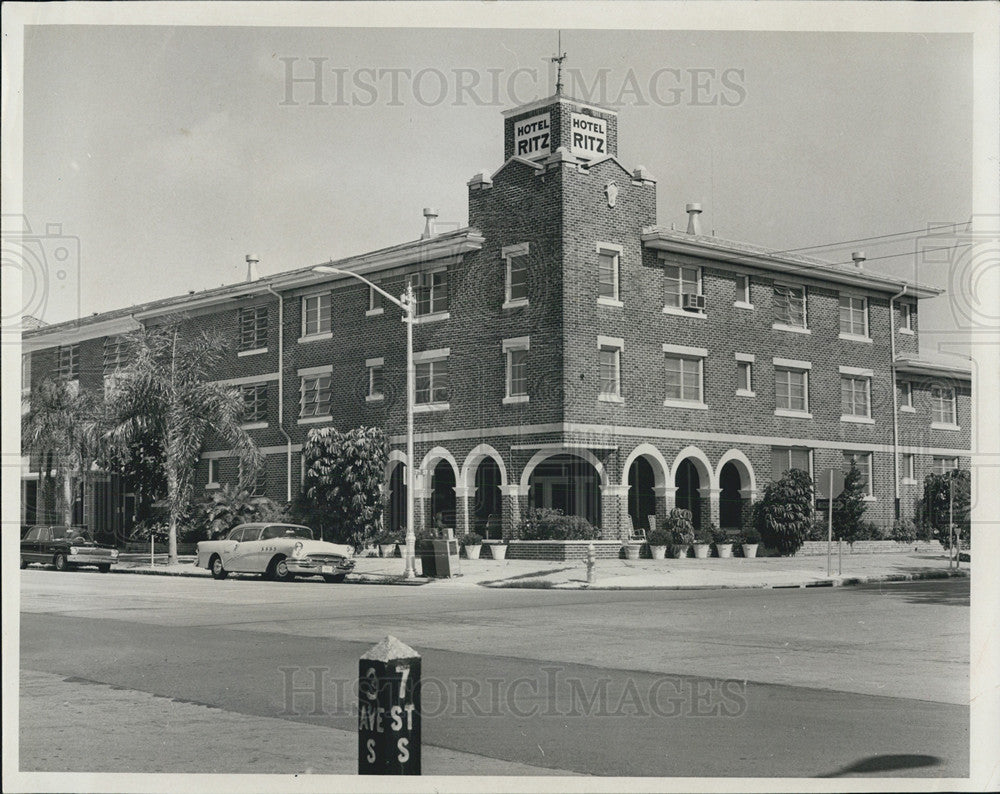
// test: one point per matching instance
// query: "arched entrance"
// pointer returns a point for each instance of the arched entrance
(688, 482)
(730, 499)
(641, 496)
(569, 483)
(443, 495)
(396, 508)
(486, 500)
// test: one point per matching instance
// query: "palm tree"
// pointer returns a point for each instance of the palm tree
(59, 431)
(165, 393)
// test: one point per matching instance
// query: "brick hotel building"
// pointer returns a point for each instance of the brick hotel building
(570, 352)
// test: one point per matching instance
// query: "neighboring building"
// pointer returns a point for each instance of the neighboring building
(570, 353)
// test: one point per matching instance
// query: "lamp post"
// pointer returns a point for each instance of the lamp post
(405, 302)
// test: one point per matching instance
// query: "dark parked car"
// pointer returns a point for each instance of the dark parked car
(65, 548)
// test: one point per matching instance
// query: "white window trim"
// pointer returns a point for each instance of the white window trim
(797, 329)
(213, 475)
(859, 374)
(699, 353)
(792, 414)
(857, 420)
(431, 355)
(809, 451)
(743, 304)
(370, 364)
(751, 359)
(314, 420)
(315, 337)
(420, 319)
(849, 337)
(255, 352)
(906, 405)
(680, 311)
(254, 425)
(791, 363)
(618, 344)
(373, 312)
(515, 343)
(324, 369)
(303, 336)
(426, 408)
(617, 250)
(249, 380)
(870, 495)
(907, 331)
(945, 426)
(431, 318)
(509, 252)
(907, 327)
(909, 466)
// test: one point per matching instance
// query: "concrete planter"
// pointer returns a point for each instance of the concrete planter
(472, 552)
(701, 550)
(632, 551)
(658, 552)
(387, 549)
(677, 552)
(498, 550)
(724, 549)
(750, 549)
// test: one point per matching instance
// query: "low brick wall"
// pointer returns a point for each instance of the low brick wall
(562, 550)
(816, 547)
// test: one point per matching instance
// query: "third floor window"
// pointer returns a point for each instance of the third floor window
(253, 328)
(790, 305)
(69, 362)
(317, 314)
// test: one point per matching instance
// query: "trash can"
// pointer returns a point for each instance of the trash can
(428, 561)
(445, 558)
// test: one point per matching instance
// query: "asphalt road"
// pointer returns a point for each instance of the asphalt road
(817, 682)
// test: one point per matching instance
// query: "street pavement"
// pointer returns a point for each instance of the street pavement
(189, 674)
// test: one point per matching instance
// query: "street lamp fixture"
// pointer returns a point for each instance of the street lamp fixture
(407, 303)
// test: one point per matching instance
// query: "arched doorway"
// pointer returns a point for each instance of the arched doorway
(396, 518)
(730, 500)
(688, 483)
(568, 483)
(443, 495)
(486, 500)
(641, 496)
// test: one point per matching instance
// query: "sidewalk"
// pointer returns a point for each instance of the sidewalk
(737, 572)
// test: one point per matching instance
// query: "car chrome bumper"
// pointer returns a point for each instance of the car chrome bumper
(91, 559)
(307, 567)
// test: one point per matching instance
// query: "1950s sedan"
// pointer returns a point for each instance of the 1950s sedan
(65, 548)
(276, 551)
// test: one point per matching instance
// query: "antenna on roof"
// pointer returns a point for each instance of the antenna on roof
(558, 60)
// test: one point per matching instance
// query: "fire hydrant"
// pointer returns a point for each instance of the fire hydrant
(591, 562)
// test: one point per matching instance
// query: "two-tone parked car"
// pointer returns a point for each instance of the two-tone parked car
(65, 548)
(276, 551)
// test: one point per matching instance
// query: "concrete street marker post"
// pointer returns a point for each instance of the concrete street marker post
(389, 710)
(830, 485)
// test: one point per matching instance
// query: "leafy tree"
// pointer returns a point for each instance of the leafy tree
(59, 430)
(849, 508)
(784, 512)
(228, 507)
(344, 481)
(165, 394)
(933, 508)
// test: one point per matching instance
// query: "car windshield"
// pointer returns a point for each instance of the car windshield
(71, 534)
(287, 532)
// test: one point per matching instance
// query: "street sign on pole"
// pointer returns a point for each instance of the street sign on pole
(830, 485)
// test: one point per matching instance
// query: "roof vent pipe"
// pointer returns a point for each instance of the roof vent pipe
(859, 259)
(694, 223)
(430, 215)
(252, 274)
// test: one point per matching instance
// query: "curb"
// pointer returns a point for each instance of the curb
(361, 578)
(544, 584)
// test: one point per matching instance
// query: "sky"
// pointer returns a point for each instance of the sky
(168, 153)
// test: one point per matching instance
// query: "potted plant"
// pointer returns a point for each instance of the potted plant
(499, 549)
(658, 540)
(387, 542)
(473, 544)
(702, 544)
(631, 549)
(723, 545)
(749, 540)
(681, 530)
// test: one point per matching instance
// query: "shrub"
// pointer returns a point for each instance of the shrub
(471, 539)
(784, 513)
(679, 525)
(546, 524)
(904, 531)
(229, 507)
(658, 537)
(848, 509)
(749, 535)
(718, 535)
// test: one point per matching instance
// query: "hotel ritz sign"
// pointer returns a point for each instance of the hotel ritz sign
(588, 136)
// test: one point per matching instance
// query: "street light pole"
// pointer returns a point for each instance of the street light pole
(407, 303)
